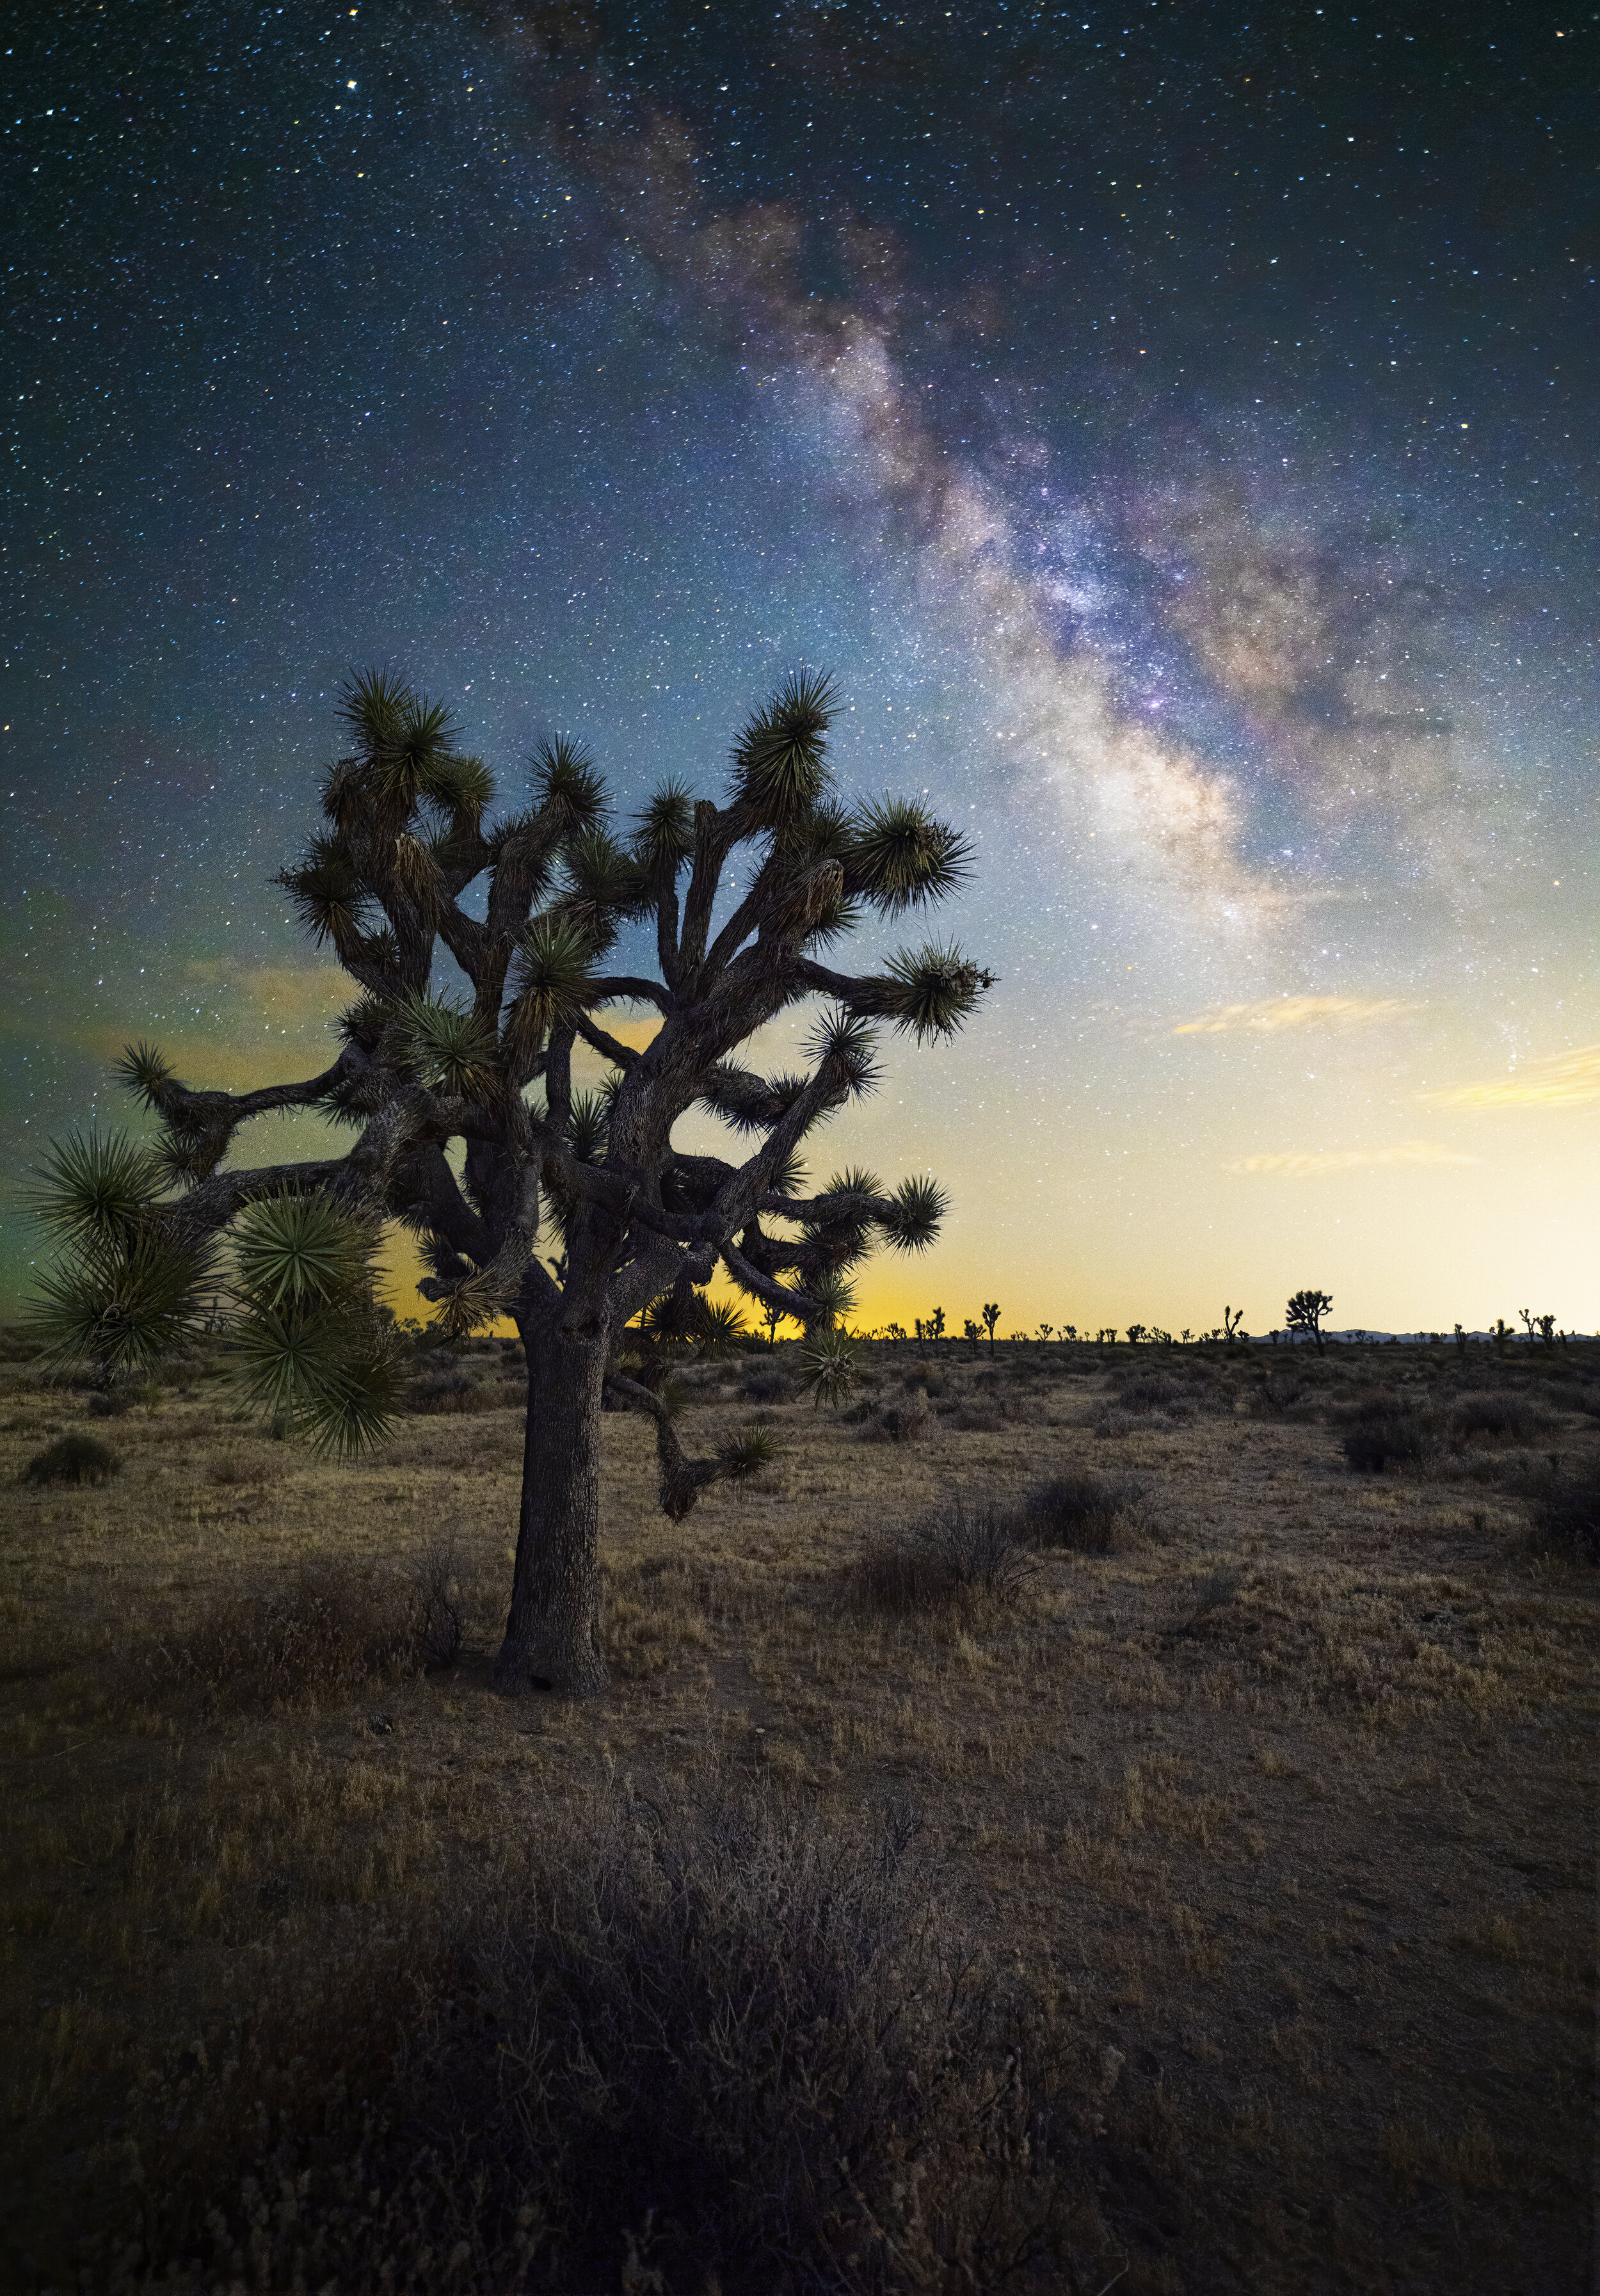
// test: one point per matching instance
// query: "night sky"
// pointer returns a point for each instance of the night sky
(1172, 426)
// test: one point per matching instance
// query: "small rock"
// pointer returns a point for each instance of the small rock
(381, 1725)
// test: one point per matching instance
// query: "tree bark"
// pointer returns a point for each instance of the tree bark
(553, 1629)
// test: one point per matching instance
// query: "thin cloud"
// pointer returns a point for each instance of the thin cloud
(1274, 1012)
(1566, 1080)
(1311, 1163)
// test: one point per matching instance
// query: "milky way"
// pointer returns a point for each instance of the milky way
(1172, 433)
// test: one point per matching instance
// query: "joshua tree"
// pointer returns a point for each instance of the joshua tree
(1232, 1318)
(971, 1333)
(1305, 1312)
(591, 1176)
(991, 1317)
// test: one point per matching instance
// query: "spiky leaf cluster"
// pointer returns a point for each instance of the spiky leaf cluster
(312, 1347)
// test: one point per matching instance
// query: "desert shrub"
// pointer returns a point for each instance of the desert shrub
(767, 1383)
(319, 1633)
(1094, 1514)
(111, 1402)
(984, 1417)
(901, 1422)
(726, 2046)
(1383, 1433)
(1281, 1395)
(1150, 1390)
(237, 1467)
(74, 1459)
(930, 1378)
(446, 1388)
(1566, 1515)
(435, 1578)
(1511, 1417)
(946, 1560)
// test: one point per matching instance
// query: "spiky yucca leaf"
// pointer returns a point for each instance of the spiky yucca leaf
(903, 856)
(551, 981)
(373, 704)
(842, 1043)
(450, 1048)
(748, 1101)
(326, 893)
(416, 759)
(301, 1252)
(182, 1158)
(356, 1100)
(124, 1299)
(935, 986)
(142, 1070)
(331, 1373)
(915, 1213)
(788, 1175)
(587, 1120)
(665, 834)
(780, 768)
(364, 1022)
(828, 1368)
(693, 1320)
(855, 1180)
(464, 786)
(604, 884)
(92, 1186)
(834, 913)
(745, 1453)
(833, 1293)
(473, 1301)
(569, 781)
(380, 951)
(721, 1324)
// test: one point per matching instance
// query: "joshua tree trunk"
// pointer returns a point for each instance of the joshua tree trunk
(553, 1630)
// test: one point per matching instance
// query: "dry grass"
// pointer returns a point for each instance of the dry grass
(1260, 1802)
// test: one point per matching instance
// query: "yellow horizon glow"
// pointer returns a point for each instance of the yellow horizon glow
(1563, 1081)
(1271, 1014)
(1300, 1163)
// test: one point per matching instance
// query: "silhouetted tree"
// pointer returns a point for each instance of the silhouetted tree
(638, 1219)
(1305, 1312)
(991, 1317)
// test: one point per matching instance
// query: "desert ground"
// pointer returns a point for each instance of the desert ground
(1246, 1792)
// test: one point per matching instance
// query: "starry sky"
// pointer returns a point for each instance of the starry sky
(1173, 426)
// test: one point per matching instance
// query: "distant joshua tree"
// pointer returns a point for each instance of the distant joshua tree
(539, 1165)
(1137, 1335)
(991, 1317)
(1232, 1318)
(972, 1334)
(1305, 1312)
